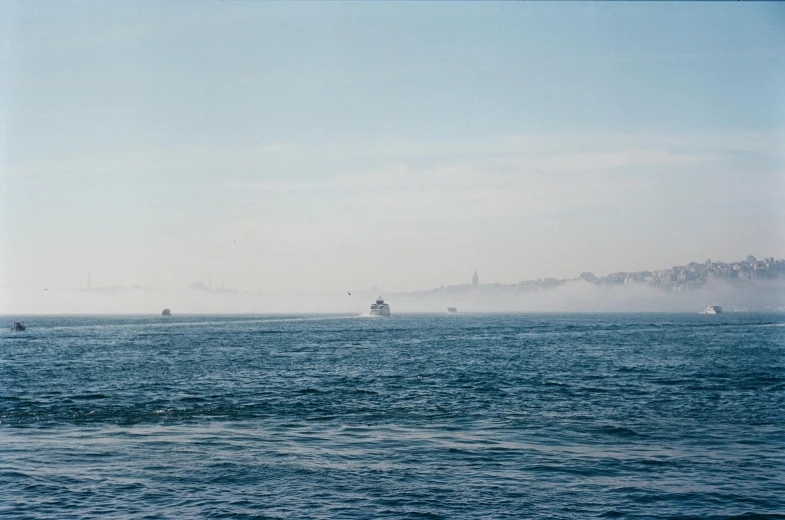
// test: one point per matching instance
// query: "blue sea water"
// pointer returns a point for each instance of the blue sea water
(412, 416)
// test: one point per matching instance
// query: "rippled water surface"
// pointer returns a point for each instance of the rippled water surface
(418, 416)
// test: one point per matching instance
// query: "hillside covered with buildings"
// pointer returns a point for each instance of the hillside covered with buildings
(746, 284)
(693, 275)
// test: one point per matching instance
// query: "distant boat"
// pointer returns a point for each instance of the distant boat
(712, 309)
(452, 309)
(17, 326)
(166, 312)
(380, 308)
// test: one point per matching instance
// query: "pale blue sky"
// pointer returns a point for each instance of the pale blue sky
(320, 146)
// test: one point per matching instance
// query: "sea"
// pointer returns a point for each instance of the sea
(543, 416)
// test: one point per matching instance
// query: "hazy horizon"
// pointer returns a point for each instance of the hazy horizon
(291, 149)
(574, 295)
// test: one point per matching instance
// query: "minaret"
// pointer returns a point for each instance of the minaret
(475, 279)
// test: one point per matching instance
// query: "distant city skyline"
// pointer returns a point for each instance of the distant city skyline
(675, 278)
(749, 284)
(295, 147)
(750, 268)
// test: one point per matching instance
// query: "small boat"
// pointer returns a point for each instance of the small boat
(166, 312)
(712, 309)
(380, 308)
(17, 326)
(452, 309)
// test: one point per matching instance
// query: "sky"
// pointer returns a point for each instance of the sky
(297, 147)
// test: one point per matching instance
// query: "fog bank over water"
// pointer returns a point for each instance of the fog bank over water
(572, 296)
(580, 296)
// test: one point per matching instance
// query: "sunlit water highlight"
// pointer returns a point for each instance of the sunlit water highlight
(419, 416)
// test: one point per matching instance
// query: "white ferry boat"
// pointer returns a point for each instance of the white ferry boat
(712, 309)
(380, 308)
(452, 309)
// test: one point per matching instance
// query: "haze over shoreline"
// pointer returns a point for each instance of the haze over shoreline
(750, 285)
